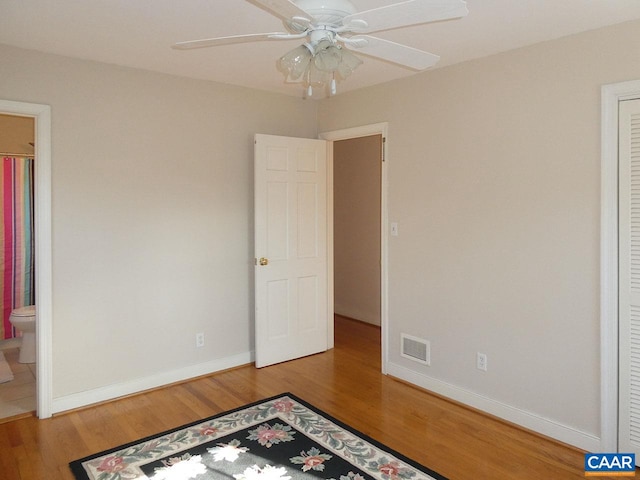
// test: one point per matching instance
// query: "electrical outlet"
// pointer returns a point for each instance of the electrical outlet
(199, 340)
(481, 361)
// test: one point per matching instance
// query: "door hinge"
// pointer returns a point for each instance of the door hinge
(384, 148)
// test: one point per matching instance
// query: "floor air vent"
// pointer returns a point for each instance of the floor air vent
(416, 349)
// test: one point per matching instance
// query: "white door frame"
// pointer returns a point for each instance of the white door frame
(345, 134)
(611, 95)
(44, 290)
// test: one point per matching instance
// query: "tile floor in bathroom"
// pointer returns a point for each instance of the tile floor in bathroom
(18, 396)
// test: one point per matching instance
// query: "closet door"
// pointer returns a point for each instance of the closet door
(629, 277)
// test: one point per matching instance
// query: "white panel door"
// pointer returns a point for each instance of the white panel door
(629, 281)
(290, 248)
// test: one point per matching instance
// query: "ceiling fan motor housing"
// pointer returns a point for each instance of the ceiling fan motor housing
(324, 12)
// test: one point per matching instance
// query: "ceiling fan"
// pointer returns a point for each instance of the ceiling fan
(334, 28)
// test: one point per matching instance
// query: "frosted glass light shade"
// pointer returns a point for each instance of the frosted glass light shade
(295, 62)
(316, 76)
(348, 64)
(328, 60)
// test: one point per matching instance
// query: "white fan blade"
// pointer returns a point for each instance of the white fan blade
(284, 9)
(214, 42)
(412, 12)
(392, 52)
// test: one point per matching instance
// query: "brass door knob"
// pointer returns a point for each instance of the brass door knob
(264, 261)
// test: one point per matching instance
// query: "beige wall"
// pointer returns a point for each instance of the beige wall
(356, 201)
(494, 175)
(16, 134)
(152, 214)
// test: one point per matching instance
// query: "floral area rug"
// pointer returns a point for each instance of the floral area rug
(280, 438)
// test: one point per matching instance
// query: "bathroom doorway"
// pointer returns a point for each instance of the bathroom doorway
(17, 261)
(40, 116)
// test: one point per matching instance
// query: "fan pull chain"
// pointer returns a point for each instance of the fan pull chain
(309, 87)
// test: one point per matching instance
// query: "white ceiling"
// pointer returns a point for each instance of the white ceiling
(139, 33)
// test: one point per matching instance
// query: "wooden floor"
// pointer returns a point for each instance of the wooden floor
(344, 382)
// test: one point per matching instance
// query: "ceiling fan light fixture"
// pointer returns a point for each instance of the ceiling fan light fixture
(318, 64)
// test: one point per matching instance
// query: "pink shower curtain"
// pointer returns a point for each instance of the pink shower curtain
(17, 262)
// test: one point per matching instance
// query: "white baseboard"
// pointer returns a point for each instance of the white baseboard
(528, 420)
(110, 392)
(366, 317)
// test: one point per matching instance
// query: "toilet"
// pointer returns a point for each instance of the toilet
(24, 319)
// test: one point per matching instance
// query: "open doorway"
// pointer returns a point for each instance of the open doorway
(357, 180)
(373, 262)
(17, 267)
(41, 115)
